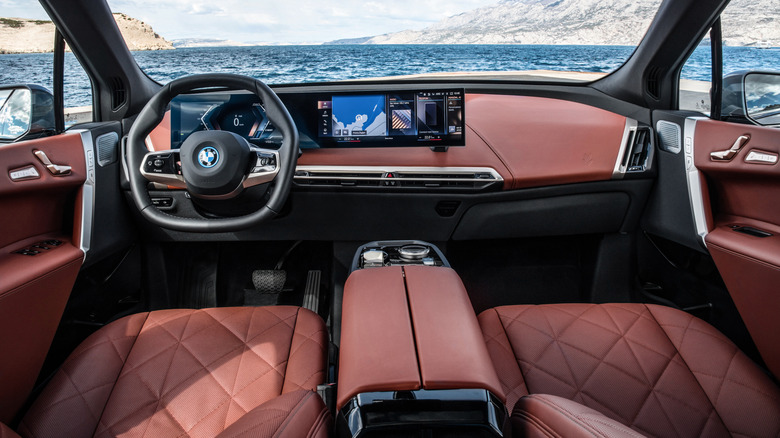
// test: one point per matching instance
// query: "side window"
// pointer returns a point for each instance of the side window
(696, 79)
(26, 57)
(77, 92)
(750, 42)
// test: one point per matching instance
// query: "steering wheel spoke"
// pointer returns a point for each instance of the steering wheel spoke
(163, 167)
(264, 169)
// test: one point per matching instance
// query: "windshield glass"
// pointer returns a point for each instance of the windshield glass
(301, 41)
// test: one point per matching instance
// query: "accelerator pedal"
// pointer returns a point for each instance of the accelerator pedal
(268, 285)
(311, 296)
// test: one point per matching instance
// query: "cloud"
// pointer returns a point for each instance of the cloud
(290, 20)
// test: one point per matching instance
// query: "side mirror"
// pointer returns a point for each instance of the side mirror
(762, 98)
(26, 111)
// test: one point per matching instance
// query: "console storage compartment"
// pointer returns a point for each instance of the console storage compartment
(413, 361)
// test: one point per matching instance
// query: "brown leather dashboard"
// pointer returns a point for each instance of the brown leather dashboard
(407, 328)
(529, 141)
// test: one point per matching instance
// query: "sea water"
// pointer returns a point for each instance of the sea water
(300, 64)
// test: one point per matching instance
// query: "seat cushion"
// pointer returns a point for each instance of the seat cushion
(544, 416)
(658, 370)
(182, 373)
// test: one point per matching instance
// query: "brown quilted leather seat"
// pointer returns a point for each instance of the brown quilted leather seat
(212, 372)
(658, 370)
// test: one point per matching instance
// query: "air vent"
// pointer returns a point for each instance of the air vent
(107, 148)
(407, 178)
(669, 136)
(638, 150)
(654, 82)
(118, 93)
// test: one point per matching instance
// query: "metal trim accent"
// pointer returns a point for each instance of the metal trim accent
(400, 169)
(24, 173)
(619, 171)
(163, 178)
(268, 172)
(88, 192)
(731, 152)
(54, 169)
(757, 156)
(693, 177)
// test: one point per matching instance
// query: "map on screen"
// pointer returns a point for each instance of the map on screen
(359, 116)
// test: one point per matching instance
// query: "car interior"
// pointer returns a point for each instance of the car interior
(549, 259)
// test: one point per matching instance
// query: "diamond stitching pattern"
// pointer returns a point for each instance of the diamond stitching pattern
(659, 370)
(559, 362)
(240, 359)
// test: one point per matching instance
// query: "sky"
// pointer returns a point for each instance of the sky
(280, 21)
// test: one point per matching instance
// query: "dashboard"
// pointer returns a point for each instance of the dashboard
(432, 118)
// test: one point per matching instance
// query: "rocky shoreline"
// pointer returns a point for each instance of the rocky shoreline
(21, 35)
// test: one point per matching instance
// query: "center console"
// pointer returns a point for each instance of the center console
(413, 361)
(398, 253)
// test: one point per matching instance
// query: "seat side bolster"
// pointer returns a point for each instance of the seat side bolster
(745, 399)
(309, 340)
(503, 357)
(80, 390)
(6, 432)
(543, 416)
(297, 414)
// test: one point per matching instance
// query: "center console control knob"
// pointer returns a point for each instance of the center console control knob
(413, 252)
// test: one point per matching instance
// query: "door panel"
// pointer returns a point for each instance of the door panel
(744, 194)
(37, 218)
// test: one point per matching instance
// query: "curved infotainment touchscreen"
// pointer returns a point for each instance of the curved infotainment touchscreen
(406, 118)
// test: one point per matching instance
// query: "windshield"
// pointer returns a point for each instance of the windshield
(301, 41)
(305, 41)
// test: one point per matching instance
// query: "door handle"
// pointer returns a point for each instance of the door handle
(729, 153)
(54, 169)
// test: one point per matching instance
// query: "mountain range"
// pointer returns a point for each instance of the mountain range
(587, 22)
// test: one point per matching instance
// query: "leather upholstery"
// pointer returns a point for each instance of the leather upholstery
(297, 414)
(543, 416)
(750, 267)
(6, 432)
(33, 294)
(185, 372)
(407, 328)
(660, 371)
(450, 349)
(377, 351)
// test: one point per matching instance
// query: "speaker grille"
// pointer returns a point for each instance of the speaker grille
(669, 136)
(107, 148)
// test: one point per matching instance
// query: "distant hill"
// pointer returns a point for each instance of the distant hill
(20, 35)
(590, 22)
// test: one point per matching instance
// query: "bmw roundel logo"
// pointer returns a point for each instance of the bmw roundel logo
(208, 157)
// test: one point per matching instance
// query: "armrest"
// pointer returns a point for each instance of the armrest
(450, 347)
(377, 351)
(409, 328)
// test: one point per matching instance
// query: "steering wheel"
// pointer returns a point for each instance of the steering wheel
(215, 165)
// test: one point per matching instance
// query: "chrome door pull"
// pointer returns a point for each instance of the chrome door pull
(54, 169)
(729, 153)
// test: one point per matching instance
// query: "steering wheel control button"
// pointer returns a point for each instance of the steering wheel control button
(158, 163)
